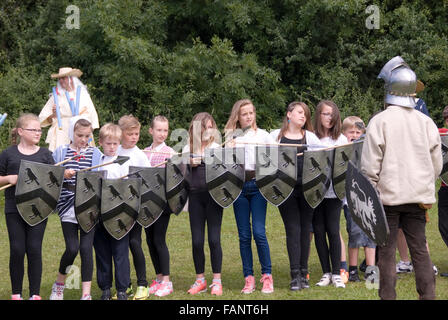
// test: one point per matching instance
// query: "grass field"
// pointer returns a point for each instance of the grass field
(183, 274)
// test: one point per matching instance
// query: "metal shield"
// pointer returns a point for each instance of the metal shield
(365, 206)
(342, 156)
(176, 193)
(276, 172)
(224, 174)
(444, 173)
(153, 200)
(88, 198)
(356, 153)
(120, 204)
(37, 191)
(316, 176)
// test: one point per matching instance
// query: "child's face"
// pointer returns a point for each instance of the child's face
(352, 133)
(31, 132)
(326, 116)
(81, 136)
(130, 138)
(246, 116)
(110, 146)
(297, 116)
(159, 132)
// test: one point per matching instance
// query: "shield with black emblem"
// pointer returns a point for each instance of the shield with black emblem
(37, 191)
(224, 174)
(365, 206)
(276, 172)
(153, 200)
(357, 153)
(444, 173)
(316, 175)
(176, 193)
(120, 204)
(88, 198)
(342, 156)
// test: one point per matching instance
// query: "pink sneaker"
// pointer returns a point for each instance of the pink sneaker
(268, 283)
(153, 287)
(216, 288)
(35, 297)
(198, 287)
(164, 289)
(16, 297)
(249, 286)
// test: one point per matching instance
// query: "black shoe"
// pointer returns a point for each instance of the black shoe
(304, 279)
(122, 296)
(363, 266)
(444, 274)
(354, 276)
(106, 295)
(295, 284)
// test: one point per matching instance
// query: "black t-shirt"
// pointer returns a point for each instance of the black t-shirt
(196, 178)
(9, 164)
(299, 158)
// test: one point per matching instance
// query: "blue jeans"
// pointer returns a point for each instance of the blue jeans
(251, 201)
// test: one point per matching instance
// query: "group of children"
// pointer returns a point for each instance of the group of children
(112, 256)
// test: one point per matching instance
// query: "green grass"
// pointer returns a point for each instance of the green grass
(183, 274)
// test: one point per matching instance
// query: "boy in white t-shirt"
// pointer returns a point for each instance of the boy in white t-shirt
(106, 247)
(130, 127)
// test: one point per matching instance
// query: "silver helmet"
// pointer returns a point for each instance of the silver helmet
(401, 83)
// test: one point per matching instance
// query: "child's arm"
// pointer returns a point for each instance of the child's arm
(9, 179)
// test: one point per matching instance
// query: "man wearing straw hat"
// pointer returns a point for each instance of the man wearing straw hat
(69, 98)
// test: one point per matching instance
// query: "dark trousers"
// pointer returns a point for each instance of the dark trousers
(138, 257)
(442, 206)
(25, 240)
(156, 240)
(204, 210)
(326, 223)
(297, 217)
(73, 244)
(412, 221)
(107, 249)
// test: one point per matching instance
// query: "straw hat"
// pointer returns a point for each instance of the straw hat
(67, 72)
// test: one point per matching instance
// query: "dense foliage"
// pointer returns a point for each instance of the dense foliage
(178, 58)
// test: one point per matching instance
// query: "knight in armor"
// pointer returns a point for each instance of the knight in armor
(296, 214)
(23, 238)
(401, 157)
(69, 98)
(203, 210)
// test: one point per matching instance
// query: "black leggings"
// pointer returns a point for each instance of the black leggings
(138, 257)
(156, 240)
(73, 244)
(297, 217)
(24, 239)
(203, 209)
(326, 222)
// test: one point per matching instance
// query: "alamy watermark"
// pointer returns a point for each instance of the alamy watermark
(373, 20)
(72, 21)
(73, 277)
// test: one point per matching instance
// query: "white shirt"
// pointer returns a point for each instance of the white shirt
(114, 171)
(136, 156)
(255, 136)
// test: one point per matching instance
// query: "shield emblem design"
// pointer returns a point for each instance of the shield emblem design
(88, 198)
(37, 192)
(176, 193)
(365, 206)
(224, 174)
(153, 200)
(276, 172)
(316, 175)
(444, 173)
(120, 204)
(356, 153)
(342, 156)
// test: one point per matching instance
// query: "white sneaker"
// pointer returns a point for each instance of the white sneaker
(164, 289)
(57, 292)
(325, 280)
(337, 281)
(436, 271)
(404, 267)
